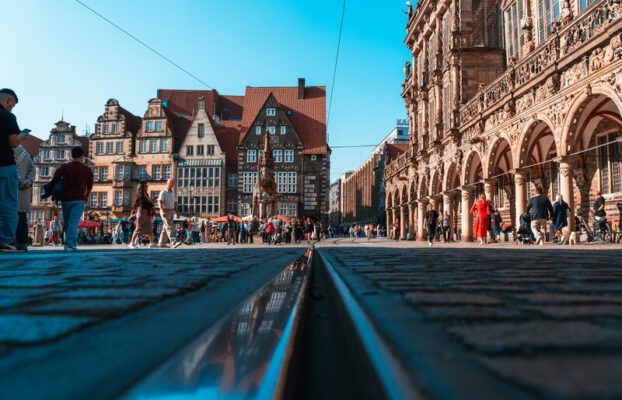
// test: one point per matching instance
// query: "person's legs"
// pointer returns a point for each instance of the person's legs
(535, 228)
(72, 213)
(9, 181)
(431, 231)
(21, 233)
(167, 231)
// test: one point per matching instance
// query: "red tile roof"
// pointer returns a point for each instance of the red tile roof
(308, 115)
(229, 108)
(228, 139)
(394, 150)
(31, 144)
(185, 101)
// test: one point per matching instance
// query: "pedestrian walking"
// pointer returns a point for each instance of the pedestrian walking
(446, 226)
(9, 178)
(77, 183)
(26, 172)
(270, 230)
(143, 211)
(431, 220)
(560, 218)
(396, 229)
(167, 205)
(541, 210)
(482, 219)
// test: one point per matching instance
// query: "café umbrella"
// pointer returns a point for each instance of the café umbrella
(88, 224)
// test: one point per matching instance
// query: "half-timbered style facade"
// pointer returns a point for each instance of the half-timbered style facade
(545, 110)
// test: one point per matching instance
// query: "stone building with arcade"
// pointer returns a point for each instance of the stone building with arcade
(503, 96)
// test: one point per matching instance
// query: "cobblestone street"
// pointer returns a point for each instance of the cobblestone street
(496, 322)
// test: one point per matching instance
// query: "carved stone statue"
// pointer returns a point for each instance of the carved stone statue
(264, 192)
(407, 68)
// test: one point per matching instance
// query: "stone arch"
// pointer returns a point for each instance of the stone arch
(423, 187)
(412, 190)
(472, 170)
(403, 193)
(531, 136)
(499, 160)
(499, 156)
(436, 186)
(580, 109)
(452, 177)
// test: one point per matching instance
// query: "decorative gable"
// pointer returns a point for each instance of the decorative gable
(200, 141)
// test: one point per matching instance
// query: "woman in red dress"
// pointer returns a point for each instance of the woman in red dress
(482, 220)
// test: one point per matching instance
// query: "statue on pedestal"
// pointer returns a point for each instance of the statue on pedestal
(264, 192)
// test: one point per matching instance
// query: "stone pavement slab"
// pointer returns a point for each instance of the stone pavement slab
(479, 323)
(89, 324)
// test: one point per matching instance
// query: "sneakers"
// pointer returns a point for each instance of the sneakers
(67, 248)
(132, 246)
(7, 248)
(429, 244)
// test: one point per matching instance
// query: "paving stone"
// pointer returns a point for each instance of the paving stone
(37, 328)
(94, 307)
(561, 298)
(451, 298)
(564, 377)
(579, 311)
(476, 313)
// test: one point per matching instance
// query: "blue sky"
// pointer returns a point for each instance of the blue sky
(58, 56)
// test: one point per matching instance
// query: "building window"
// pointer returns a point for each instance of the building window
(248, 181)
(232, 180)
(119, 147)
(289, 156)
(142, 146)
(609, 163)
(258, 130)
(210, 149)
(60, 154)
(60, 138)
(586, 3)
(283, 129)
(163, 145)
(200, 150)
(251, 156)
(114, 128)
(118, 197)
(105, 129)
(142, 172)
(155, 172)
(271, 130)
(515, 38)
(46, 154)
(548, 13)
(189, 150)
(103, 199)
(201, 130)
(149, 126)
(93, 200)
(232, 206)
(44, 171)
(285, 182)
(126, 198)
(271, 112)
(245, 209)
(123, 172)
(277, 155)
(153, 145)
(103, 173)
(109, 147)
(158, 126)
(288, 209)
(95, 173)
(166, 172)
(313, 157)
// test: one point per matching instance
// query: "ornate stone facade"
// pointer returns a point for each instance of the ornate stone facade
(550, 118)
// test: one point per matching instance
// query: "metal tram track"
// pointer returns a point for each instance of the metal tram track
(300, 336)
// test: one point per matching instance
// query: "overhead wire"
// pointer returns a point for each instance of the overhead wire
(332, 86)
(146, 45)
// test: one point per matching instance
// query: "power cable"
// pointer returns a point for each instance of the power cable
(332, 87)
(145, 45)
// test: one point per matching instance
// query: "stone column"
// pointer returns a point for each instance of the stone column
(489, 189)
(388, 226)
(447, 207)
(394, 214)
(520, 193)
(467, 220)
(455, 89)
(403, 222)
(411, 221)
(421, 206)
(566, 186)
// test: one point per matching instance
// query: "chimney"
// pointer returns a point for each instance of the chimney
(201, 103)
(301, 88)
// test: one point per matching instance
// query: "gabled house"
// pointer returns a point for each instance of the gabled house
(201, 168)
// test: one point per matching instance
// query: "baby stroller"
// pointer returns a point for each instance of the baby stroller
(523, 234)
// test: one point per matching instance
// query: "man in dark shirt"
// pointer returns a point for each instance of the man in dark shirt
(541, 211)
(77, 185)
(599, 205)
(9, 178)
(431, 219)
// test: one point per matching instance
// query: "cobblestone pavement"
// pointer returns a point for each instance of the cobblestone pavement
(473, 323)
(71, 323)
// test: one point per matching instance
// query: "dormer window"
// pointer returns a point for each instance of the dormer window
(60, 138)
(105, 129)
(158, 126)
(149, 126)
(271, 112)
(258, 130)
(114, 128)
(283, 130)
(201, 130)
